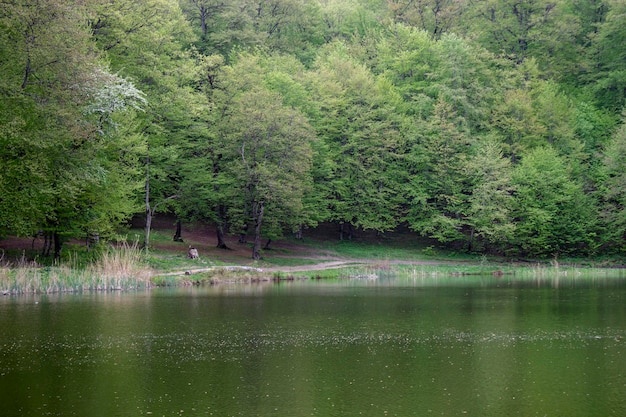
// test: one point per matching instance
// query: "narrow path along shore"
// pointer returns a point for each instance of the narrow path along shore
(336, 264)
(299, 268)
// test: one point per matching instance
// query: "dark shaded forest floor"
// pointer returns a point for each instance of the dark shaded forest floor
(317, 251)
(317, 256)
(320, 249)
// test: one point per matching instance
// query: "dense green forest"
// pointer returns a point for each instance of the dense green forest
(492, 126)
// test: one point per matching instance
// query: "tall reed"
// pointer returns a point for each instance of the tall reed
(117, 268)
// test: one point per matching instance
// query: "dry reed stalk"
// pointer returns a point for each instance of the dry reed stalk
(119, 268)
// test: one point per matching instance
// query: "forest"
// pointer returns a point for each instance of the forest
(487, 126)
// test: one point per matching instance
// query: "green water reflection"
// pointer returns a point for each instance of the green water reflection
(373, 348)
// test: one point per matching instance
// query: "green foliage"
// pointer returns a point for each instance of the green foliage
(439, 186)
(490, 205)
(487, 125)
(60, 105)
(435, 17)
(553, 214)
(613, 193)
(608, 81)
(254, 166)
(362, 131)
(519, 29)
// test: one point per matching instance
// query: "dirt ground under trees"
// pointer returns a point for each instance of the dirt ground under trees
(204, 239)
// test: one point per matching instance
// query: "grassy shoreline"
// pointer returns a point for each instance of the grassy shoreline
(126, 267)
(114, 269)
(62, 279)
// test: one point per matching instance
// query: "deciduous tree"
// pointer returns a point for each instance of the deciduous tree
(361, 124)
(554, 215)
(440, 187)
(269, 147)
(61, 110)
(612, 191)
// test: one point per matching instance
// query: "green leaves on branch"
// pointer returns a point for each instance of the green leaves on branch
(68, 169)
(553, 214)
(275, 116)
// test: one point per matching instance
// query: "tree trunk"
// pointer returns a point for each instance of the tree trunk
(470, 243)
(203, 15)
(146, 237)
(91, 240)
(242, 235)
(221, 242)
(345, 231)
(257, 213)
(27, 72)
(267, 244)
(47, 243)
(220, 226)
(35, 237)
(178, 234)
(150, 210)
(57, 246)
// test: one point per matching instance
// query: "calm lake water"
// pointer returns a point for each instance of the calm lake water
(479, 347)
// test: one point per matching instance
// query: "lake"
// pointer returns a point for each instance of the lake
(475, 346)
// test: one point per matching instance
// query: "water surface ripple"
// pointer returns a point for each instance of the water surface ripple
(317, 349)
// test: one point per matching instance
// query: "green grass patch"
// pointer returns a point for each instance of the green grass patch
(410, 250)
(280, 261)
(156, 236)
(165, 262)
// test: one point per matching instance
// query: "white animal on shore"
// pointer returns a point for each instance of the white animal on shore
(192, 253)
